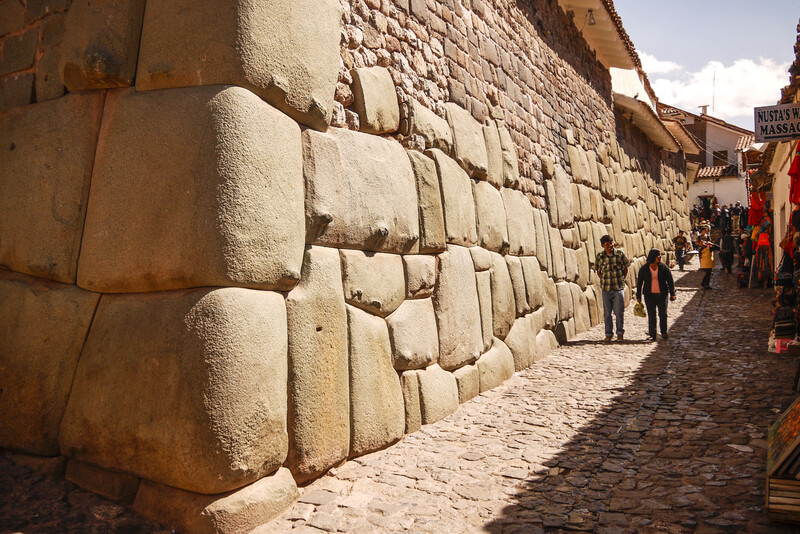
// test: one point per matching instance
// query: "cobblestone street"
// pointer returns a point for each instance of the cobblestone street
(600, 437)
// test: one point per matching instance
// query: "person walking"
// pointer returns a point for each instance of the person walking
(655, 282)
(680, 249)
(727, 248)
(612, 266)
(704, 245)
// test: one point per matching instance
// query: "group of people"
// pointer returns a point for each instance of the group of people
(733, 218)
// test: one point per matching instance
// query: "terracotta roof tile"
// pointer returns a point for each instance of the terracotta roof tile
(717, 171)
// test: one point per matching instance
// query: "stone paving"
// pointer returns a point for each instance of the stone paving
(599, 437)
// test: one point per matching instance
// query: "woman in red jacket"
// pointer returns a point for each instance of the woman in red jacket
(655, 281)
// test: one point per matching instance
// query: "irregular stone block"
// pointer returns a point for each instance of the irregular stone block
(438, 394)
(519, 220)
(542, 233)
(231, 212)
(48, 151)
(582, 260)
(115, 486)
(518, 285)
(12, 17)
(286, 53)
(48, 82)
(420, 275)
(503, 302)
(43, 327)
(377, 415)
(495, 366)
(319, 429)
(432, 128)
(375, 100)
(235, 512)
(469, 145)
(581, 309)
(457, 200)
(481, 258)
(565, 307)
(41, 465)
(532, 274)
(546, 343)
(193, 386)
(360, 192)
(585, 199)
(414, 338)
(409, 384)
(429, 196)
(468, 382)
(16, 90)
(559, 271)
(494, 154)
(550, 300)
(510, 163)
(570, 265)
(483, 279)
(373, 281)
(521, 341)
(19, 51)
(561, 195)
(101, 43)
(455, 301)
(490, 216)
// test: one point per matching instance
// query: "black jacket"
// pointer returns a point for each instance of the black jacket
(645, 281)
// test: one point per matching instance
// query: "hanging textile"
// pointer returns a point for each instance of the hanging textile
(757, 201)
(794, 174)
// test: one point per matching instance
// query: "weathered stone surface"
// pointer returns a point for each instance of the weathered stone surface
(48, 151)
(519, 220)
(510, 163)
(12, 16)
(495, 366)
(432, 128)
(373, 281)
(570, 264)
(101, 44)
(469, 145)
(483, 279)
(563, 197)
(518, 285)
(48, 82)
(503, 302)
(468, 382)
(559, 271)
(580, 309)
(42, 331)
(409, 384)
(287, 53)
(494, 154)
(375, 100)
(231, 212)
(455, 301)
(413, 334)
(319, 428)
(420, 275)
(429, 197)
(521, 340)
(457, 200)
(115, 486)
(542, 233)
(377, 415)
(236, 512)
(532, 273)
(546, 343)
(481, 258)
(582, 261)
(360, 192)
(438, 394)
(41, 465)
(193, 386)
(19, 51)
(16, 90)
(550, 300)
(490, 217)
(565, 306)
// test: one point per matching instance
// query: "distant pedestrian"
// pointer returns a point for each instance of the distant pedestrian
(680, 249)
(612, 267)
(736, 213)
(727, 248)
(705, 247)
(656, 283)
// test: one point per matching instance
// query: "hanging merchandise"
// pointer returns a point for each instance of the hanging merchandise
(757, 201)
(794, 174)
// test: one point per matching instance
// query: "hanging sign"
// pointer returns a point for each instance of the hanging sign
(777, 123)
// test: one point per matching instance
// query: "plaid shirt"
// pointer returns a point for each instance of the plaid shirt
(611, 269)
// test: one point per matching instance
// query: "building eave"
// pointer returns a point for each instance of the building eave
(679, 132)
(606, 37)
(647, 121)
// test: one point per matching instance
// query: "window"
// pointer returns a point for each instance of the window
(720, 157)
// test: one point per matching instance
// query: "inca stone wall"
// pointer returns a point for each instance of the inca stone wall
(256, 239)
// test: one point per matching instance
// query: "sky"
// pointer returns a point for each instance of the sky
(732, 55)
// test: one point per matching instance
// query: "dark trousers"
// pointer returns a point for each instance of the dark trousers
(706, 278)
(653, 303)
(727, 260)
(680, 255)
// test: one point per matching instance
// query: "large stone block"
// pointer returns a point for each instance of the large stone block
(115, 486)
(481, 258)
(235, 512)
(48, 152)
(375, 100)
(581, 309)
(550, 300)
(19, 51)
(432, 128)
(546, 343)
(373, 281)
(495, 366)
(16, 90)
(561, 195)
(42, 329)
(319, 400)
(519, 220)
(532, 273)
(494, 154)
(483, 279)
(490, 216)
(468, 383)
(101, 43)
(360, 192)
(285, 52)
(542, 233)
(469, 145)
(438, 394)
(420, 275)
(455, 301)
(565, 305)
(510, 163)
(518, 285)
(457, 200)
(409, 384)
(429, 196)
(193, 388)
(412, 329)
(220, 207)
(503, 302)
(557, 261)
(521, 340)
(377, 415)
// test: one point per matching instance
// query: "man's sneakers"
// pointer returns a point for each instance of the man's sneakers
(620, 337)
(608, 338)
(664, 336)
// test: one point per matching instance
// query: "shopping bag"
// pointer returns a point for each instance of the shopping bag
(638, 310)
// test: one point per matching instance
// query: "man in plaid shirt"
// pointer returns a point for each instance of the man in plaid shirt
(612, 267)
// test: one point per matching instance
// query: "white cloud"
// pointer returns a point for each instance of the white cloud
(738, 88)
(652, 65)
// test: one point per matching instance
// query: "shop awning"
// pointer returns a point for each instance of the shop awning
(647, 121)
